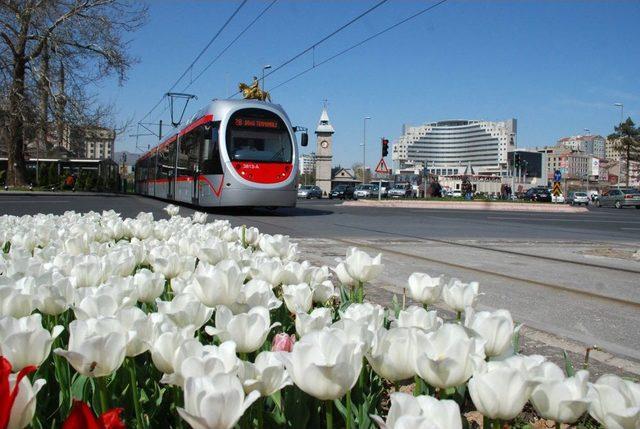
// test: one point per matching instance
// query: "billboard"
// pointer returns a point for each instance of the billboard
(594, 167)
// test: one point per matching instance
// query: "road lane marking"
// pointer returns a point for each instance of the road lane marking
(36, 201)
(560, 219)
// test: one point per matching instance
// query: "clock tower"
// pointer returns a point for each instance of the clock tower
(324, 136)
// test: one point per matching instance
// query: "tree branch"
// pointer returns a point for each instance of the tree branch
(9, 43)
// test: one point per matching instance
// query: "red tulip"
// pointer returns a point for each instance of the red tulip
(8, 396)
(283, 342)
(81, 417)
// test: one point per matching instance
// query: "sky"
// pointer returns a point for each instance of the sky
(556, 66)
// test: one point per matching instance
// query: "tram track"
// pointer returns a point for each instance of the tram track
(496, 274)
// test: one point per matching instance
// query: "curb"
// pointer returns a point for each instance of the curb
(471, 205)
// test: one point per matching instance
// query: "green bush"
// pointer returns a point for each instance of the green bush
(52, 175)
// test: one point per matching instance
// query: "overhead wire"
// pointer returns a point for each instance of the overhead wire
(344, 51)
(324, 39)
(190, 67)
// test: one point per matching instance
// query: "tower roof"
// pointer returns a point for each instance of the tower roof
(324, 125)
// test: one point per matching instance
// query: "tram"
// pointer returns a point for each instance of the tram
(232, 153)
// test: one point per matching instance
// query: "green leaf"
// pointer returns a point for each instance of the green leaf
(277, 399)
(7, 247)
(79, 386)
(568, 365)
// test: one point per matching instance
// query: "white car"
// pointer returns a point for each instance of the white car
(366, 191)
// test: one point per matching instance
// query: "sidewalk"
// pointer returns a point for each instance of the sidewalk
(470, 205)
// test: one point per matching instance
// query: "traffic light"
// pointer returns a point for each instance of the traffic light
(517, 160)
(385, 147)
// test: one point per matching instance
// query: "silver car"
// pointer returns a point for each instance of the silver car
(619, 198)
(578, 198)
(366, 191)
(309, 191)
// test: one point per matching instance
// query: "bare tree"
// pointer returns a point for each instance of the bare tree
(85, 33)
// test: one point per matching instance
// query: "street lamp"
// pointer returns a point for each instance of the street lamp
(621, 106)
(364, 146)
(588, 131)
(266, 67)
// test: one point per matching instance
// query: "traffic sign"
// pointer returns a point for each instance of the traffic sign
(382, 167)
(557, 190)
(557, 176)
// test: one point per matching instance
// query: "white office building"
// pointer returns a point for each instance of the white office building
(455, 146)
(308, 163)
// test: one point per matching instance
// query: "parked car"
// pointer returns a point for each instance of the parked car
(457, 193)
(578, 198)
(343, 192)
(309, 191)
(400, 190)
(537, 194)
(619, 198)
(366, 191)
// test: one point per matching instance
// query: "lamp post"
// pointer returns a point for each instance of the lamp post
(621, 106)
(266, 67)
(588, 131)
(364, 146)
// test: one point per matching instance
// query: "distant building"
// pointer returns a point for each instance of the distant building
(590, 145)
(308, 163)
(97, 143)
(572, 164)
(450, 147)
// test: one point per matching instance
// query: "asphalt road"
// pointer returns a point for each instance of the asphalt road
(572, 276)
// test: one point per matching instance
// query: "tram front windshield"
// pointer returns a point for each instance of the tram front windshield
(259, 136)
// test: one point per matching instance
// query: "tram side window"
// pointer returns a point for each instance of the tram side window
(188, 162)
(166, 160)
(210, 149)
(150, 168)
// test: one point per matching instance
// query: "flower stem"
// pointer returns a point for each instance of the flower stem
(459, 315)
(328, 408)
(259, 409)
(102, 389)
(557, 425)
(417, 389)
(348, 422)
(497, 424)
(135, 393)
(426, 307)
(360, 292)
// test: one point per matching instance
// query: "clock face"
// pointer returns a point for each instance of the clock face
(324, 144)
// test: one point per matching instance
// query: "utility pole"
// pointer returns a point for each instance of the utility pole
(364, 147)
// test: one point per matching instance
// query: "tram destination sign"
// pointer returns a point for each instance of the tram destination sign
(255, 123)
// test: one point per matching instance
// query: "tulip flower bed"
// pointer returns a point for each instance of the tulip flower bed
(109, 323)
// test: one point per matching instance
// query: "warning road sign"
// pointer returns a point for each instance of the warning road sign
(382, 167)
(557, 190)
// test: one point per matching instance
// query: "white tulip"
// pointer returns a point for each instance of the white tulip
(417, 317)
(16, 303)
(447, 357)
(298, 298)
(488, 387)
(185, 310)
(323, 292)
(563, 401)
(614, 402)
(343, 276)
(215, 402)
(371, 315)
(96, 346)
(172, 210)
(257, 293)
(358, 332)
(87, 272)
(149, 285)
(24, 405)
(269, 270)
(325, 364)
(266, 375)
(24, 342)
(248, 330)
(361, 267)
(496, 328)
(55, 297)
(218, 285)
(213, 251)
(199, 217)
(424, 288)
(278, 246)
(316, 320)
(528, 365)
(96, 306)
(296, 272)
(423, 411)
(315, 276)
(169, 263)
(393, 354)
(166, 348)
(138, 327)
(459, 296)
